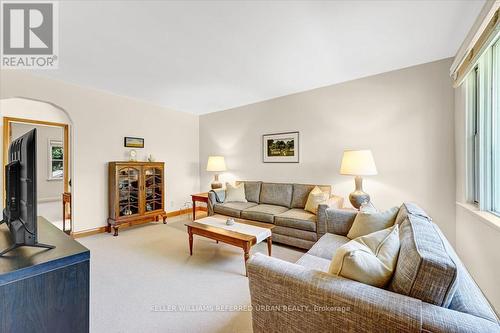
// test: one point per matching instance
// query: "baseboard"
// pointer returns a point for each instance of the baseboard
(184, 211)
(99, 230)
(88, 232)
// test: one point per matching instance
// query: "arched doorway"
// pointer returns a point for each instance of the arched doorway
(54, 148)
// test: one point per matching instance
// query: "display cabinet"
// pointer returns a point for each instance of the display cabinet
(136, 193)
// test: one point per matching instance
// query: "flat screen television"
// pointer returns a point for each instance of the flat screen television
(20, 211)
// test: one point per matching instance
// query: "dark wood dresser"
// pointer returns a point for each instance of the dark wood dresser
(44, 290)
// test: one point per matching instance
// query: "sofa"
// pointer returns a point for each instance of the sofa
(281, 204)
(430, 290)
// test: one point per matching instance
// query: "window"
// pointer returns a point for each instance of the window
(56, 160)
(483, 148)
(496, 128)
(475, 135)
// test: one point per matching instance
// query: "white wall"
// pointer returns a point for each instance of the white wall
(405, 117)
(100, 121)
(477, 233)
(47, 189)
(478, 246)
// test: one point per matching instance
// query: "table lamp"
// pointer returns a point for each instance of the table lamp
(216, 164)
(358, 163)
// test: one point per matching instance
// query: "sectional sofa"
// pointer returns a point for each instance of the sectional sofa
(430, 291)
(281, 204)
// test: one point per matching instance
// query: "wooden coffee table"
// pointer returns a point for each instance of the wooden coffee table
(239, 239)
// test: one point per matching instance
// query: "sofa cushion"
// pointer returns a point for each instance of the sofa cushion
(369, 259)
(252, 190)
(313, 262)
(366, 223)
(301, 193)
(410, 208)
(232, 208)
(296, 218)
(327, 245)
(276, 194)
(424, 270)
(264, 213)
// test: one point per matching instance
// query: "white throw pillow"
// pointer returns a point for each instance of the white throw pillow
(235, 193)
(316, 197)
(365, 223)
(369, 259)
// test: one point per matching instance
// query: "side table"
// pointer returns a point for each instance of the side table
(200, 197)
(66, 200)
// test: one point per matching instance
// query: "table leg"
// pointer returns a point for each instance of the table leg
(246, 249)
(64, 216)
(269, 245)
(190, 241)
(194, 210)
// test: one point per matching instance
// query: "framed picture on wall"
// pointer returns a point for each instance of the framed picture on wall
(280, 148)
(131, 142)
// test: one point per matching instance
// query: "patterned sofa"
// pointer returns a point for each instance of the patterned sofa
(281, 204)
(430, 291)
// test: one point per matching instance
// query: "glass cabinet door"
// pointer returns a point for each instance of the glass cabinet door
(153, 188)
(128, 191)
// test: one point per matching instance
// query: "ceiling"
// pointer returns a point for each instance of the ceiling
(206, 56)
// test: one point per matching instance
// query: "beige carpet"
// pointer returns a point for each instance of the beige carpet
(141, 279)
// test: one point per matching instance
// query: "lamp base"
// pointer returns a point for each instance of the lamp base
(216, 183)
(358, 197)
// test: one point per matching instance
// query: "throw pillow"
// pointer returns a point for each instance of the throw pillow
(316, 197)
(365, 223)
(369, 259)
(235, 193)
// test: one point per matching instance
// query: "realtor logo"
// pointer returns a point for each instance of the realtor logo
(29, 31)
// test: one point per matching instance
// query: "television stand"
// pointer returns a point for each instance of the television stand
(45, 291)
(15, 246)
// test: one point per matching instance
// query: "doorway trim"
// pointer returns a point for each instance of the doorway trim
(6, 136)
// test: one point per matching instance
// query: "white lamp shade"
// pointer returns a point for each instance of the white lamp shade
(216, 163)
(358, 163)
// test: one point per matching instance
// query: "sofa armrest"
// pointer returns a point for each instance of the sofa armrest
(339, 221)
(288, 297)
(438, 319)
(212, 200)
(335, 201)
